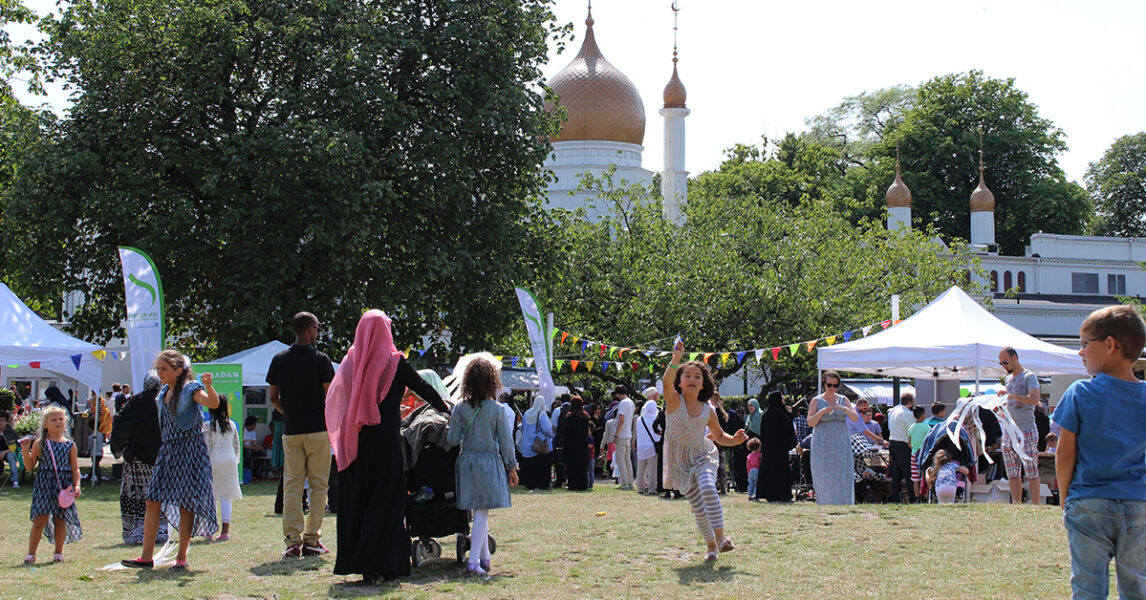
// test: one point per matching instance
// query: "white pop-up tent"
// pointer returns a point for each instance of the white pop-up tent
(26, 339)
(255, 362)
(948, 339)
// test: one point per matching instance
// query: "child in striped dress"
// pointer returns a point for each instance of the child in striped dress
(59, 469)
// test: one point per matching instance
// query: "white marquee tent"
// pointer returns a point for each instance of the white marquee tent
(26, 339)
(948, 339)
(255, 362)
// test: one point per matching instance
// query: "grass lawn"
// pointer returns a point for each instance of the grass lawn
(552, 545)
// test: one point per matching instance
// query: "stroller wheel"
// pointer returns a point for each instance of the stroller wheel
(435, 548)
(417, 553)
(492, 545)
(463, 546)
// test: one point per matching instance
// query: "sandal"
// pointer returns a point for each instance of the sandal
(57, 558)
(137, 563)
(180, 565)
(30, 559)
(710, 556)
(727, 545)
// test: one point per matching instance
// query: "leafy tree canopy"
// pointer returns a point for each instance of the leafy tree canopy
(274, 157)
(1117, 185)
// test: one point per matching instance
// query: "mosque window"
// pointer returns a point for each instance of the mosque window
(1116, 285)
(994, 281)
(1084, 283)
(1022, 277)
(1007, 281)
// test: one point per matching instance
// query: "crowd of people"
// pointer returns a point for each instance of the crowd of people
(180, 471)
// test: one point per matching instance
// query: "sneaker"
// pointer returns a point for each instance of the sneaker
(474, 569)
(137, 563)
(293, 551)
(314, 549)
(16, 485)
(223, 538)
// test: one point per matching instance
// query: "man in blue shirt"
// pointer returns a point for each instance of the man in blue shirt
(1101, 458)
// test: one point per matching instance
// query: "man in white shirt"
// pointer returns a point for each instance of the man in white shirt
(899, 421)
(623, 443)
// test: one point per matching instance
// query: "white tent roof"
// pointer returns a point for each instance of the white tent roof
(949, 337)
(26, 338)
(255, 362)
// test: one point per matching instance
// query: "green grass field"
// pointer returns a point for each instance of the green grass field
(552, 545)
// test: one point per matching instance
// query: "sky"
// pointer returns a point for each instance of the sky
(756, 68)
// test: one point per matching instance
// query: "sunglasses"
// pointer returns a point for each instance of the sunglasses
(831, 385)
(1004, 362)
(1085, 343)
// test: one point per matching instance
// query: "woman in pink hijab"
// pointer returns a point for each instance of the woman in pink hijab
(363, 419)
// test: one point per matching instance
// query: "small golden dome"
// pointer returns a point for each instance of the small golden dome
(674, 90)
(898, 194)
(601, 103)
(982, 199)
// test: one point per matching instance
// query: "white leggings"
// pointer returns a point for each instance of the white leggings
(945, 493)
(705, 503)
(225, 511)
(479, 537)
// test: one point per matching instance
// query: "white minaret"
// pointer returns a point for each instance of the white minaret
(982, 210)
(674, 179)
(898, 201)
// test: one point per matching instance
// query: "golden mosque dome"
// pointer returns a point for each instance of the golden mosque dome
(674, 90)
(601, 103)
(898, 194)
(982, 199)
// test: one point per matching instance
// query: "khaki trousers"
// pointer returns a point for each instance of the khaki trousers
(306, 457)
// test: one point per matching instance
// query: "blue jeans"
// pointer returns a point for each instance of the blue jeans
(1098, 530)
(753, 476)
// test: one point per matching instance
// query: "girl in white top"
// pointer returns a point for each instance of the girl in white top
(221, 435)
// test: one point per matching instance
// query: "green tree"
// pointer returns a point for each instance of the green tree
(1117, 185)
(322, 155)
(937, 132)
(742, 273)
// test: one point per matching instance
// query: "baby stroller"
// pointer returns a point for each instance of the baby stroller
(431, 504)
(939, 440)
(871, 485)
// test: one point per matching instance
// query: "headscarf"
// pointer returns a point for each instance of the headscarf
(777, 430)
(649, 412)
(534, 412)
(151, 380)
(365, 376)
(754, 418)
(431, 377)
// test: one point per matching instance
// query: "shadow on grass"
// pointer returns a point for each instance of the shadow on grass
(706, 572)
(287, 567)
(182, 578)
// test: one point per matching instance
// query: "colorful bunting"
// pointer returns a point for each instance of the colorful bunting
(513, 361)
(740, 356)
(811, 344)
(793, 348)
(776, 353)
(865, 330)
(707, 355)
(589, 365)
(574, 363)
(76, 360)
(831, 339)
(847, 336)
(558, 364)
(564, 334)
(759, 356)
(34, 365)
(885, 324)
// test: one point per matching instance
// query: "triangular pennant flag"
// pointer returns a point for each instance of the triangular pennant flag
(740, 356)
(694, 356)
(666, 353)
(34, 365)
(831, 340)
(811, 344)
(897, 321)
(707, 355)
(589, 365)
(529, 362)
(559, 364)
(635, 367)
(620, 366)
(724, 358)
(603, 348)
(574, 339)
(76, 360)
(564, 334)
(584, 345)
(573, 364)
(776, 353)
(847, 336)
(99, 354)
(865, 330)
(885, 324)
(605, 366)
(621, 354)
(513, 361)
(10, 366)
(422, 352)
(499, 358)
(793, 348)
(759, 356)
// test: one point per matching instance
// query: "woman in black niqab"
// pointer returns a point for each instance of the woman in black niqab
(778, 437)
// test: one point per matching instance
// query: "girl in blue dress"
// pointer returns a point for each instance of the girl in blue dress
(56, 456)
(180, 490)
(487, 463)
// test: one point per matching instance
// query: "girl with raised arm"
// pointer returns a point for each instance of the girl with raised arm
(691, 458)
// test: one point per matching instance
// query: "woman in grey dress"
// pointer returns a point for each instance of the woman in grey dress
(487, 463)
(832, 465)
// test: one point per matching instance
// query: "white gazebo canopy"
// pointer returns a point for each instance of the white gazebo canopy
(26, 339)
(255, 362)
(948, 339)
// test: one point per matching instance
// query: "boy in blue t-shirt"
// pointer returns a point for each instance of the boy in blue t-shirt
(1101, 458)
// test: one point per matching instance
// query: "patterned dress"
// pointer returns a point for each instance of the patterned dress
(687, 450)
(182, 475)
(132, 506)
(51, 477)
(833, 470)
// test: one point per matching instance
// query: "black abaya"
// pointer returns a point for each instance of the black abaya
(777, 438)
(577, 451)
(739, 454)
(372, 539)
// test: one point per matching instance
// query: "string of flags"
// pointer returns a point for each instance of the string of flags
(76, 359)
